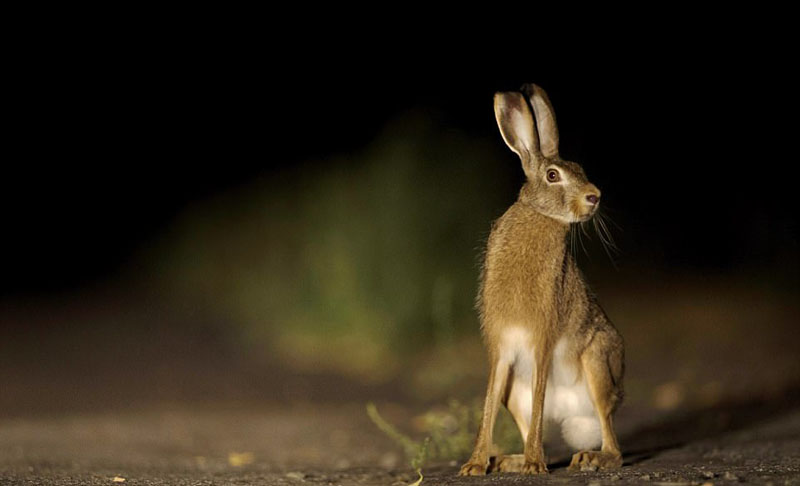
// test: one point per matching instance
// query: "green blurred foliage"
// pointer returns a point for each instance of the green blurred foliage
(449, 433)
(351, 262)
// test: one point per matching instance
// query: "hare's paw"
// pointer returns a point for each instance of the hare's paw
(510, 463)
(594, 460)
(473, 469)
(534, 467)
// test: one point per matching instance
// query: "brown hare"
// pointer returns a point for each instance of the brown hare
(555, 357)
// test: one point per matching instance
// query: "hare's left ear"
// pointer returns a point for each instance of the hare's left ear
(545, 119)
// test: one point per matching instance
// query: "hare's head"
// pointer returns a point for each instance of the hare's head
(556, 188)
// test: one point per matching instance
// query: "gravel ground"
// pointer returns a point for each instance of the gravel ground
(754, 442)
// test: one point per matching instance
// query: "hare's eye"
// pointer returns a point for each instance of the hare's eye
(552, 176)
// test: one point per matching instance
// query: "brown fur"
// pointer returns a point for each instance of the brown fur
(529, 279)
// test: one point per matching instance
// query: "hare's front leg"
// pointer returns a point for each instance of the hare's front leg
(479, 461)
(602, 366)
(534, 450)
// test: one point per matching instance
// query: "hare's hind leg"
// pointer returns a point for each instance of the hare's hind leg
(602, 364)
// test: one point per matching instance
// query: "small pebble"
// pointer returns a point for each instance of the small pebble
(729, 476)
(615, 477)
(645, 477)
(296, 475)
(709, 475)
(239, 459)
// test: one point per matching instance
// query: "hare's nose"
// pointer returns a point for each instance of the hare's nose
(592, 198)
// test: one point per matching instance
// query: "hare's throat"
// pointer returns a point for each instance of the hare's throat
(545, 222)
(528, 200)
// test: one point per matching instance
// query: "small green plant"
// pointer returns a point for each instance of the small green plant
(411, 448)
(449, 433)
(416, 452)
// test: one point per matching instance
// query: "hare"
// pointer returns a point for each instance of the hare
(555, 357)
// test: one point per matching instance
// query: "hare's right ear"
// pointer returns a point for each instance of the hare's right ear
(545, 119)
(516, 125)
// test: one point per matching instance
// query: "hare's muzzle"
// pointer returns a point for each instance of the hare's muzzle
(589, 204)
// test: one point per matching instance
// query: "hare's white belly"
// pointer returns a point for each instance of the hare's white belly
(567, 400)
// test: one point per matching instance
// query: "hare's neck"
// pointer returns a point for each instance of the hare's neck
(547, 235)
(547, 225)
(527, 198)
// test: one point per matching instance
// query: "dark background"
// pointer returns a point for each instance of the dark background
(689, 145)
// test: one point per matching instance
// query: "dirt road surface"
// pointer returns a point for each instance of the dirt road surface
(713, 398)
(756, 442)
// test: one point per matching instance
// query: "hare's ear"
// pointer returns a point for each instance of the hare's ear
(545, 119)
(516, 125)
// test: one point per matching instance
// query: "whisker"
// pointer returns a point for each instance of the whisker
(583, 230)
(597, 229)
(603, 233)
(580, 240)
(609, 238)
(604, 211)
(605, 238)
